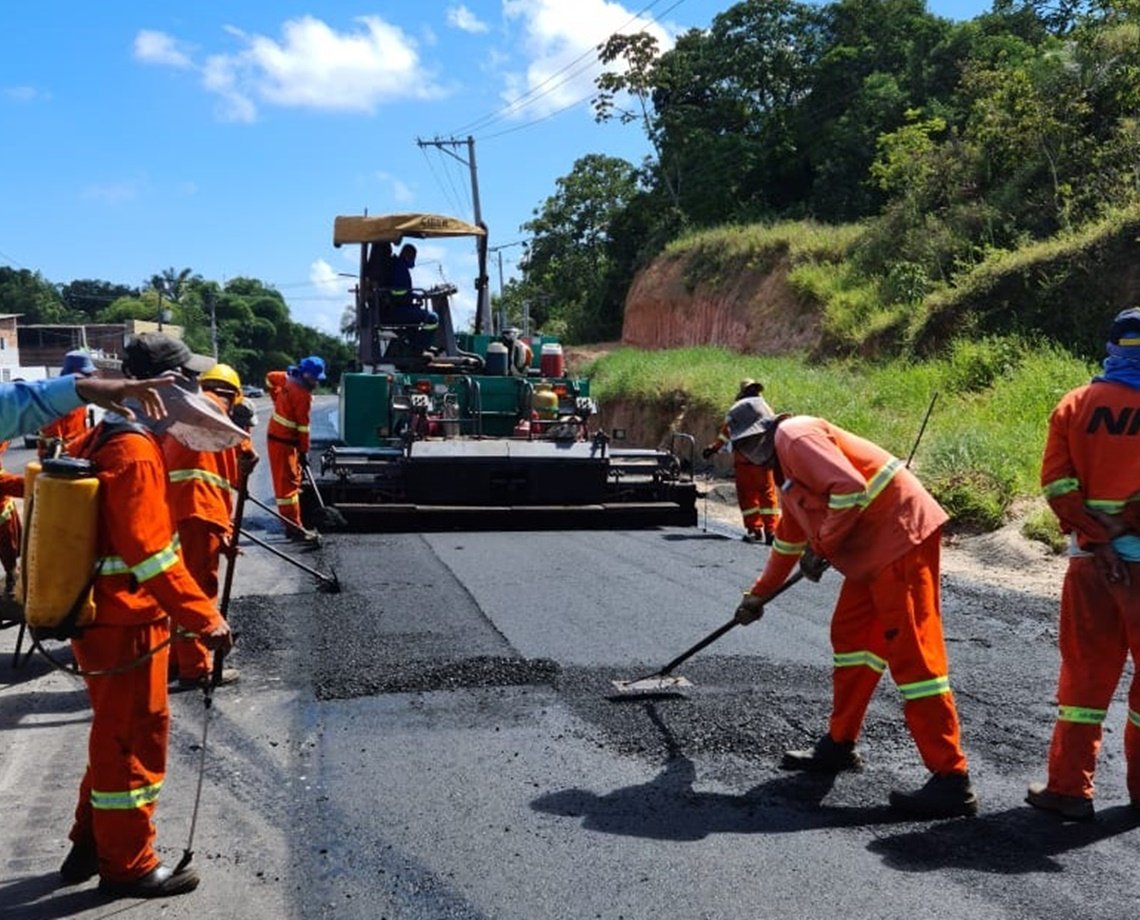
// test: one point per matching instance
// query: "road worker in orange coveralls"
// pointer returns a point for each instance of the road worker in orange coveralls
(11, 486)
(55, 436)
(1090, 474)
(755, 485)
(287, 437)
(141, 586)
(198, 491)
(847, 502)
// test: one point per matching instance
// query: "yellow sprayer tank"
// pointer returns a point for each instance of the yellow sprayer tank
(60, 546)
(545, 401)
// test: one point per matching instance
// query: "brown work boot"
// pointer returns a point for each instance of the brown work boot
(1073, 807)
(81, 863)
(944, 795)
(160, 882)
(827, 756)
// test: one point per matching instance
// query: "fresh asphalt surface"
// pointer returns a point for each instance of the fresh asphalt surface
(439, 741)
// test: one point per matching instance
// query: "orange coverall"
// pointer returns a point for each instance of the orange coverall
(287, 436)
(1091, 461)
(141, 587)
(862, 510)
(11, 486)
(198, 493)
(66, 428)
(755, 491)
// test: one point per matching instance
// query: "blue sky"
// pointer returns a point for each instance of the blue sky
(225, 135)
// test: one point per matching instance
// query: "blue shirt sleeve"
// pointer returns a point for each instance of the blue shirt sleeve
(26, 406)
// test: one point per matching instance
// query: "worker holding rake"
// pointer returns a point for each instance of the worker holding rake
(847, 502)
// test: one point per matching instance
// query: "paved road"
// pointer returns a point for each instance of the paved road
(437, 741)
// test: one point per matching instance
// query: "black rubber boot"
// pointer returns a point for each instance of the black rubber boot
(81, 863)
(826, 757)
(160, 882)
(944, 795)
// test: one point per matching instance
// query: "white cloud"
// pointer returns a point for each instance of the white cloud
(462, 18)
(311, 66)
(27, 94)
(110, 193)
(153, 47)
(560, 41)
(401, 193)
(323, 304)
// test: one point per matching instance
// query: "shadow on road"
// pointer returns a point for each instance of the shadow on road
(30, 898)
(1010, 842)
(18, 703)
(674, 537)
(668, 808)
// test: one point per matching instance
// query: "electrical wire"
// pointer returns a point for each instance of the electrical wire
(543, 89)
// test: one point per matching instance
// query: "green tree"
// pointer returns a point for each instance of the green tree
(29, 295)
(567, 264)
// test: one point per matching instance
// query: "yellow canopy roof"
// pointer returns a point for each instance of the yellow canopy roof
(391, 228)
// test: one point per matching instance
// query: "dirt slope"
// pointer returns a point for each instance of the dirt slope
(754, 311)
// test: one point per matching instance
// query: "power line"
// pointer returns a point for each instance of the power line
(533, 94)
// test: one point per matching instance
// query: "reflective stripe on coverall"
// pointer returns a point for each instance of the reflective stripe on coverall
(1091, 461)
(861, 509)
(287, 436)
(198, 493)
(142, 581)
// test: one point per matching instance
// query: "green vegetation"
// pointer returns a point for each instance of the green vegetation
(982, 447)
(254, 329)
(979, 167)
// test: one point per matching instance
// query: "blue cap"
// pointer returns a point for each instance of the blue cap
(313, 367)
(1126, 328)
(78, 362)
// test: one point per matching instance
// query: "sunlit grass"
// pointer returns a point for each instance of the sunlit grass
(981, 449)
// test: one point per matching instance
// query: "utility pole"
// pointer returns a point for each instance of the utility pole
(498, 250)
(447, 145)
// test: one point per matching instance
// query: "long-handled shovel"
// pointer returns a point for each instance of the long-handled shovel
(663, 680)
(216, 673)
(264, 506)
(331, 518)
(329, 583)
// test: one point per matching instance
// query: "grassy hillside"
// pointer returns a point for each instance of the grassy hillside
(982, 448)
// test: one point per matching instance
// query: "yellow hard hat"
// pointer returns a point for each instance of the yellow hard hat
(223, 377)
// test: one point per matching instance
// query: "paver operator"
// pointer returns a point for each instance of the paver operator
(140, 587)
(287, 437)
(1090, 474)
(755, 485)
(848, 502)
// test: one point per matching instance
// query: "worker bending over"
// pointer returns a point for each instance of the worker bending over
(848, 502)
(755, 485)
(140, 586)
(199, 494)
(287, 437)
(1090, 474)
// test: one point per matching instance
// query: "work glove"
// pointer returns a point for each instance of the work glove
(813, 566)
(709, 451)
(750, 609)
(247, 460)
(1109, 564)
(303, 459)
